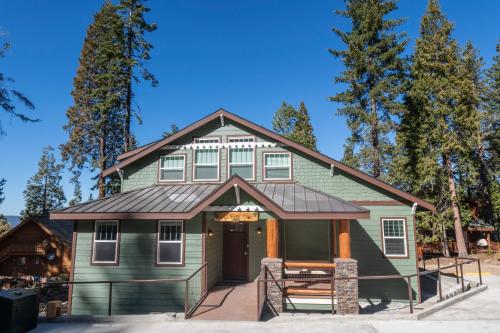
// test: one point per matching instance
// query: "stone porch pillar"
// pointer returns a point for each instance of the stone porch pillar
(346, 290)
(274, 271)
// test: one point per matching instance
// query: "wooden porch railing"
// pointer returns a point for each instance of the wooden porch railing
(20, 249)
(309, 281)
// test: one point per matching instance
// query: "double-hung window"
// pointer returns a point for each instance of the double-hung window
(105, 248)
(277, 166)
(170, 243)
(206, 159)
(241, 157)
(394, 237)
(172, 168)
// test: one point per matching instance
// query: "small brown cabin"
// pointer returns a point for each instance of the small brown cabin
(38, 247)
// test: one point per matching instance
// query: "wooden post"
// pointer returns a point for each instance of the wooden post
(334, 238)
(344, 240)
(272, 238)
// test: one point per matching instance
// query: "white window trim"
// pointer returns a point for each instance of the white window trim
(116, 241)
(229, 164)
(205, 164)
(270, 167)
(183, 169)
(404, 237)
(158, 242)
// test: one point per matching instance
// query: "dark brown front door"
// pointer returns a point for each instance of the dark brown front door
(235, 251)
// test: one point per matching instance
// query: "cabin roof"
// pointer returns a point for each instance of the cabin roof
(134, 155)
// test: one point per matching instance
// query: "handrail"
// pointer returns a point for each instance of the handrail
(136, 281)
(408, 277)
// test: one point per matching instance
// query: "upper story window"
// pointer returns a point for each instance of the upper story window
(172, 168)
(170, 243)
(394, 237)
(206, 160)
(241, 158)
(105, 248)
(277, 166)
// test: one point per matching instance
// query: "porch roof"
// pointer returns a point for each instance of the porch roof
(184, 201)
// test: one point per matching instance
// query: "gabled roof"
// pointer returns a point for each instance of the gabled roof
(60, 229)
(138, 153)
(287, 201)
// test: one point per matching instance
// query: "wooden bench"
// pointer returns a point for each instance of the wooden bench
(308, 292)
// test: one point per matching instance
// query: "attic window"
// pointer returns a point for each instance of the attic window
(206, 160)
(241, 158)
(172, 168)
(277, 166)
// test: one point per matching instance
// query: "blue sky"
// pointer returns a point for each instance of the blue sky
(245, 56)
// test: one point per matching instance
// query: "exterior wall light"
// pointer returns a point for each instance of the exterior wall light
(210, 233)
(259, 231)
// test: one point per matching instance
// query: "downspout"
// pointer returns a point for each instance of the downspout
(413, 212)
(120, 174)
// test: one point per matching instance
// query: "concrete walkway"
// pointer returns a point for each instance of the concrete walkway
(229, 302)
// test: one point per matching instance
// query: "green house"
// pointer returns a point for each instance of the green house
(227, 192)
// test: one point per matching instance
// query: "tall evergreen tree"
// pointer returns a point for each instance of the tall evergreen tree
(96, 118)
(433, 129)
(491, 130)
(137, 53)
(44, 191)
(303, 131)
(4, 225)
(374, 75)
(173, 129)
(284, 120)
(8, 95)
(2, 192)
(77, 193)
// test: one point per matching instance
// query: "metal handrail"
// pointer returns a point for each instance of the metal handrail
(407, 277)
(110, 283)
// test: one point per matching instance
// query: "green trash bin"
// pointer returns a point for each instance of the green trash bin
(19, 310)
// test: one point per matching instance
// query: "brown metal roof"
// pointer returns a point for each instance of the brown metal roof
(184, 201)
(127, 158)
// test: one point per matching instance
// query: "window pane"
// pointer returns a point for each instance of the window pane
(244, 171)
(106, 230)
(172, 162)
(395, 246)
(206, 172)
(277, 173)
(277, 160)
(170, 252)
(172, 175)
(206, 156)
(105, 251)
(394, 228)
(241, 155)
(170, 231)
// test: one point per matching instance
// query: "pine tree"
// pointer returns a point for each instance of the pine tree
(375, 76)
(303, 131)
(96, 118)
(44, 191)
(2, 193)
(137, 53)
(432, 135)
(77, 193)
(4, 225)
(7, 94)
(491, 130)
(284, 120)
(173, 129)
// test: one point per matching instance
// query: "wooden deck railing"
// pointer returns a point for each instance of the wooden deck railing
(20, 249)
(330, 280)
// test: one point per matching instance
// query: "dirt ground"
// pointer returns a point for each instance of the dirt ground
(490, 264)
